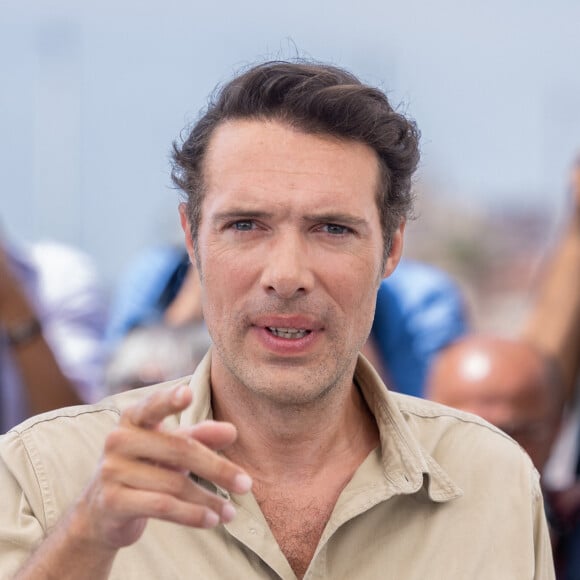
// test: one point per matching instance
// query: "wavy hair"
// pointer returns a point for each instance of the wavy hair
(316, 99)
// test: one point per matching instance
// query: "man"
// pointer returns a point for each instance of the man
(507, 382)
(298, 183)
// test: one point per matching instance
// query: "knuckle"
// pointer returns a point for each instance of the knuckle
(211, 466)
(178, 485)
(137, 413)
(161, 504)
(177, 450)
(108, 469)
(182, 446)
(109, 499)
(115, 439)
(223, 469)
(129, 415)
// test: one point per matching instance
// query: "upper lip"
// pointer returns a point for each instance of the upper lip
(298, 322)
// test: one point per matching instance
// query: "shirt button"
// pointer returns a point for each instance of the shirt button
(253, 531)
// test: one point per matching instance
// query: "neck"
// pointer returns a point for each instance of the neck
(297, 442)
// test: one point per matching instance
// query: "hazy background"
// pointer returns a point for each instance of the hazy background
(93, 93)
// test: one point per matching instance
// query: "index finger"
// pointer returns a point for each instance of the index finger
(149, 413)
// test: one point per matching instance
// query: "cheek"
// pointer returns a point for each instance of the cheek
(356, 297)
(224, 281)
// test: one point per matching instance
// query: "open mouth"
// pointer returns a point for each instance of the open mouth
(291, 333)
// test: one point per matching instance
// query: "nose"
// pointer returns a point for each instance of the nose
(287, 271)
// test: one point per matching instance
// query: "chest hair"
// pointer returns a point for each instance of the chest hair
(297, 523)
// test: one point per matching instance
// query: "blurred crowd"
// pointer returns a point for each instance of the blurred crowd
(60, 346)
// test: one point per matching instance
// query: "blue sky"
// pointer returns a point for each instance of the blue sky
(94, 93)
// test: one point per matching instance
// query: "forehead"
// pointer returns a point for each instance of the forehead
(264, 156)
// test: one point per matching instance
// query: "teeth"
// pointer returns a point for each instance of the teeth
(288, 332)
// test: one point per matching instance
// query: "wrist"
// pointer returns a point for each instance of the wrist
(68, 554)
(22, 332)
(15, 306)
(80, 531)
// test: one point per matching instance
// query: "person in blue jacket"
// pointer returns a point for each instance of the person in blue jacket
(420, 310)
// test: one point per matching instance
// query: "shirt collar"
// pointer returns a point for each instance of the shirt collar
(200, 408)
(406, 466)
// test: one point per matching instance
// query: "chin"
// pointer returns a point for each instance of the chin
(287, 389)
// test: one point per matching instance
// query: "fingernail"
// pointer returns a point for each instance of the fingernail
(242, 483)
(228, 513)
(211, 519)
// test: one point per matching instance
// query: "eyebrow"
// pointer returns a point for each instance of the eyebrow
(224, 216)
(337, 218)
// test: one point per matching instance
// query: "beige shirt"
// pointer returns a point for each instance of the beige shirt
(446, 496)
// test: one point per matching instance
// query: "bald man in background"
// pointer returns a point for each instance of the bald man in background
(521, 390)
(507, 382)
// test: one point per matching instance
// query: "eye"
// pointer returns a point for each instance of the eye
(335, 229)
(243, 225)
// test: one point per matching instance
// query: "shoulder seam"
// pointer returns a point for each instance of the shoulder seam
(113, 410)
(463, 419)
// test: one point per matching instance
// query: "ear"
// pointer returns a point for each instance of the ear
(186, 231)
(396, 249)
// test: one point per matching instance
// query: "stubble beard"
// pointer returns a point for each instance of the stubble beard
(286, 384)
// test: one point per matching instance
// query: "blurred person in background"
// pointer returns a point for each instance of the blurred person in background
(528, 387)
(507, 382)
(52, 318)
(420, 311)
(155, 353)
(520, 390)
(160, 286)
(155, 331)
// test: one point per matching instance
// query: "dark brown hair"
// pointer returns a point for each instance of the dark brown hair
(317, 99)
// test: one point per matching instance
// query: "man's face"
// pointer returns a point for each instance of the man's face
(290, 250)
(528, 416)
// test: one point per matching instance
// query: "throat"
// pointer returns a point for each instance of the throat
(294, 448)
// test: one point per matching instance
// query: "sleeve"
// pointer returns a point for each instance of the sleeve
(136, 300)
(22, 521)
(72, 307)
